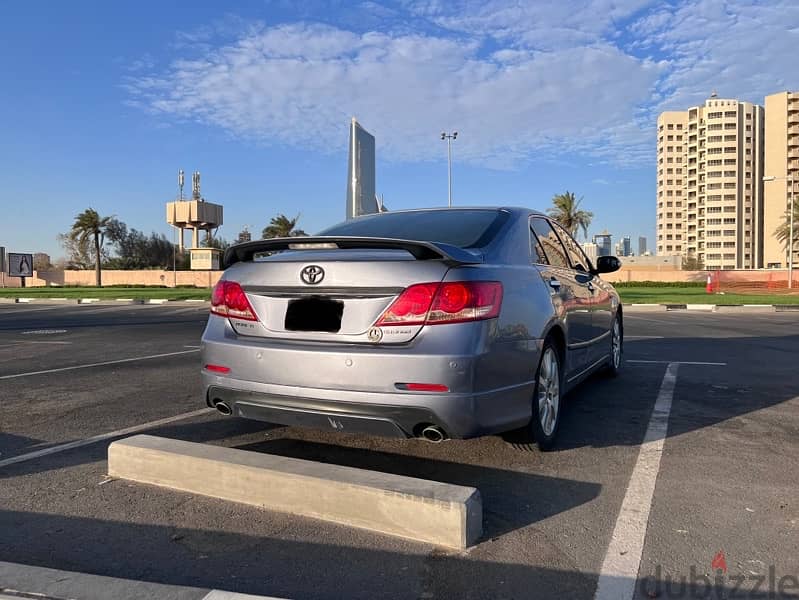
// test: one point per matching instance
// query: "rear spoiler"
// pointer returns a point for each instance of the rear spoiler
(420, 250)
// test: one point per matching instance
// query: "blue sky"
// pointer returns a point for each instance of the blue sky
(102, 102)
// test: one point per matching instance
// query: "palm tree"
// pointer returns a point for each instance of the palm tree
(282, 226)
(90, 224)
(783, 232)
(566, 211)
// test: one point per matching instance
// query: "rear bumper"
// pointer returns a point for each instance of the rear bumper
(388, 415)
(358, 387)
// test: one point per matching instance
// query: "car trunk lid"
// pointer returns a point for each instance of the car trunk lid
(334, 289)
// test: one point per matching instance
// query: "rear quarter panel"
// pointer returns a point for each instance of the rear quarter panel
(509, 354)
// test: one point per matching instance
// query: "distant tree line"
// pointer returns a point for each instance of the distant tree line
(133, 249)
(118, 246)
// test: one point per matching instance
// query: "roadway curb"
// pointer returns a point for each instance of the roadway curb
(18, 582)
(432, 512)
(723, 308)
(645, 307)
(747, 308)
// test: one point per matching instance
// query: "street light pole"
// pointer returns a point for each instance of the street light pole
(449, 137)
(790, 181)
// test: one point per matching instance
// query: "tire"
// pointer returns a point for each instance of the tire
(614, 363)
(547, 400)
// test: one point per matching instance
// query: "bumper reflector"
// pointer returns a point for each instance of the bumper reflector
(422, 387)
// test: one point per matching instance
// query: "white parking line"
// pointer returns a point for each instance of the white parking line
(99, 364)
(619, 572)
(17, 309)
(103, 436)
(680, 362)
(223, 595)
(643, 337)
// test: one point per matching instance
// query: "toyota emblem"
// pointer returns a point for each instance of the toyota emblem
(312, 274)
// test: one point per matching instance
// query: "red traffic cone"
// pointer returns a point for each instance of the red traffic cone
(709, 285)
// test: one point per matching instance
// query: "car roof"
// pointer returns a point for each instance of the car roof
(517, 211)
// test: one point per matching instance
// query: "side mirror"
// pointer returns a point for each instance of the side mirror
(607, 264)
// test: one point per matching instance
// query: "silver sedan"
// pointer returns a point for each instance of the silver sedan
(445, 323)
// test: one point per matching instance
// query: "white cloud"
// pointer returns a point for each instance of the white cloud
(299, 84)
(741, 49)
(518, 80)
(540, 25)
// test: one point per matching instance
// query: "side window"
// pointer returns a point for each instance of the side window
(550, 243)
(537, 254)
(577, 257)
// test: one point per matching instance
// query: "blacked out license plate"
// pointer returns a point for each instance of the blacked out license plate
(316, 313)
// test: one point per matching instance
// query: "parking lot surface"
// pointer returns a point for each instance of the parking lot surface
(724, 475)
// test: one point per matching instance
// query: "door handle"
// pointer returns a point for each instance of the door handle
(554, 284)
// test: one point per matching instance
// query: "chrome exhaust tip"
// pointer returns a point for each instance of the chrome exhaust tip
(223, 408)
(433, 434)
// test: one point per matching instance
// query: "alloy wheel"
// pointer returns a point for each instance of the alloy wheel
(549, 392)
(615, 344)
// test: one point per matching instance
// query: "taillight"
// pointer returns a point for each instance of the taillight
(466, 301)
(229, 300)
(411, 307)
(449, 302)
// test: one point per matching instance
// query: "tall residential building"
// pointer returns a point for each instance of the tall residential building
(709, 184)
(781, 162)
(641, 245)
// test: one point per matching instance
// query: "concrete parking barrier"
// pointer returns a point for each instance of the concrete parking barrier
(746, 308)
(707, 307)
(427, 511)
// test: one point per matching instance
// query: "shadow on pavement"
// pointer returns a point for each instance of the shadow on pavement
(511, 499)
(760, 372)
(605, 412)
(304, 570)
(204, 431)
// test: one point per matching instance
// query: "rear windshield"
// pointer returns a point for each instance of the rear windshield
(462, 228)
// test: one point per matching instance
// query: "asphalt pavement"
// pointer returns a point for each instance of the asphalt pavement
(724, 482)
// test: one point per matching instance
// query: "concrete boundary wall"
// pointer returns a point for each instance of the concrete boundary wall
(158, 277)
(143, 278)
